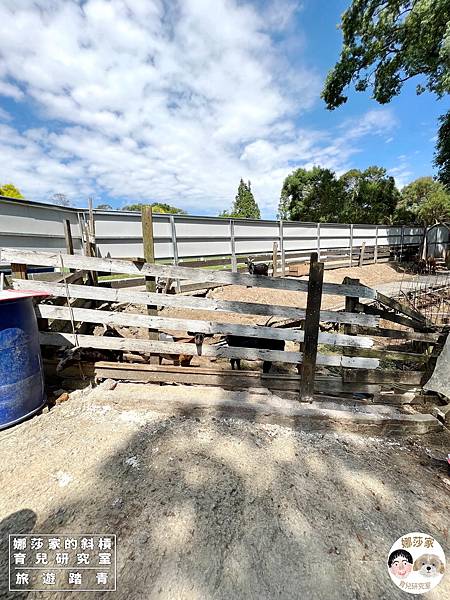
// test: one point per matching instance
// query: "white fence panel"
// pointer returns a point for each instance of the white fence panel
(37, 226)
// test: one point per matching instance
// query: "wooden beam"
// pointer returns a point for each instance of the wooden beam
(157, 347)
(400, 307)
(189, 302)
(109, 265)
(392, 316)
(366, 376)
(386, 354)
(399, 334)
(311, 333)
(216, 377)
(124, 319)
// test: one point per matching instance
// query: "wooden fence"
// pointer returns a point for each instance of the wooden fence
(353, 350)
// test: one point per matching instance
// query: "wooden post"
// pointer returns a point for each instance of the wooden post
(274, 259)
(350, 303)
(173, 231)
(311, 328)
(68, 236)
(92, 229)
(318, 241)
(283, 258)
(361, 254)
(18, 271)
(351, 246)
(375, 252)
(402, 237)
(233, 248)
(149, 257)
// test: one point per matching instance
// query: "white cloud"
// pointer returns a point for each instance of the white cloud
(174, 101)
(402, 172)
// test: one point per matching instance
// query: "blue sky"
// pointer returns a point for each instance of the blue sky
(151, 100)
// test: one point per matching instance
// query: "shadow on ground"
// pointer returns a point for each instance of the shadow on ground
(212, 507)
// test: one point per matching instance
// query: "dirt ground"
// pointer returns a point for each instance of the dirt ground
(370, 275)
(221, 508)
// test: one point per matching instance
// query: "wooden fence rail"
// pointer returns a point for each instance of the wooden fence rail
(302, 327)
(125, 319)
(157, 347)
(108, 265)
(188, 302)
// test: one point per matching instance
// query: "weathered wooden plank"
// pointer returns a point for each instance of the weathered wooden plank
(125, 319)
(311, 333)
(398, 306)
(157, 347)
(188, 302)
(399, 334)
(392, 316)
(366, 376)
(387, 354)
(228, 379)
(110, 265)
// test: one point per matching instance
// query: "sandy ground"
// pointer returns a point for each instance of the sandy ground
(221, 508)
(370, 275)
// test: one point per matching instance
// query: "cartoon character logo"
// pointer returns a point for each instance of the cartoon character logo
(400, 563)
(416, 563)
(429, 565)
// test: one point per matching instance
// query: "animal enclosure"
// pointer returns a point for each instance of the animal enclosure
(350, 338)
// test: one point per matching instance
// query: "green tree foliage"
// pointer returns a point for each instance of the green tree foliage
(244, 205)
(436, 208)
(413, 197)
(442, 158)
(104, 207)
(10, 190)
(369, 196)
(158, 207)
(387, 42)
(313, 195)
(424, 201)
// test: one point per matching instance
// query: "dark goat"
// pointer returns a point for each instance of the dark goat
(260, 269)
(183, 359)
(431, 265)
(239, 341)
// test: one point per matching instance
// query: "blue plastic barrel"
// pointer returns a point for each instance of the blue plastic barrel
(21, 373)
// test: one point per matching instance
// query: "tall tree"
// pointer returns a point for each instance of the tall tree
(61, 199)
(313, 195)
(369, 196)
(423, 202)
(10, 190)
(244, 205)
(158, 207)
(436, 208)
(387, 42)
(413, 197)
(442, 158)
